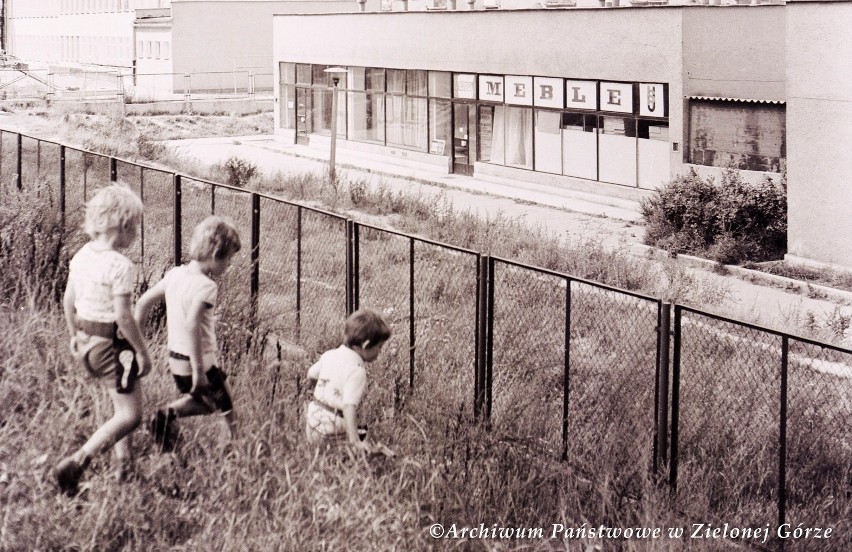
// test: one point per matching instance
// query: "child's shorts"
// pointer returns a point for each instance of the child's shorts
(216, 392)
(105, 354)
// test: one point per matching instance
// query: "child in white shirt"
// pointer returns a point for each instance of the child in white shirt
(341, 379)
(104, 336)
(191, 294)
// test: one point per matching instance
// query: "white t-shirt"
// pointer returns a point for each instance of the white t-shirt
(97, 277)
(183, 286)
(341, 380)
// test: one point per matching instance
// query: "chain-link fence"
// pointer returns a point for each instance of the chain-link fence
(761, 421)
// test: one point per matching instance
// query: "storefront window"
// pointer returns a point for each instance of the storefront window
(440, 128)
(407, 122)
(303, 73)
(653, 144)
(548, 142)
(375, 79)
(580, 145)
(440, 84)
(618, 150)
(415, 83)
(288, 106)
(320, 77)
(518, 136)
(395, 81)
(367, 111)
(321, 111)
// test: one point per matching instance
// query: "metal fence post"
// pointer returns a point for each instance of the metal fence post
(113, 170)
(489, 338)
(255, 256)
(566, 370)
(176, 179)
(411, 336)
(479, 336)
(673, 456)
(661, 396)
(298, 272)
(349, 269)
(19, 167)
(62, 185)
(782, 436)
(356, 266)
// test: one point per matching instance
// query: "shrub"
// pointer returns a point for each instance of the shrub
(239, 172)
(729, 221)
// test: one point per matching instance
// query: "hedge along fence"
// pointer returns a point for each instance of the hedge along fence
(761, 421)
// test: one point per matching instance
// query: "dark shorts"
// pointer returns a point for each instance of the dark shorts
(114, 358)
(216, 391)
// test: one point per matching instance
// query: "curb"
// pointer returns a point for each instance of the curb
(814, 291)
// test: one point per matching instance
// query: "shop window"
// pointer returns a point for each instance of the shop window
(367, 112)
(617, 150)
(288, 72)
(407, 122)
(747, 136)
(653, 155)
(374, 79)
(321, 110)
(548, 141)
(288, 106)
(518, 129)
(415, 83)
(440, 126)
(303, 73)
(320, 77)
(396, 81)
(486, 133)
(580, 145)
(440, 84)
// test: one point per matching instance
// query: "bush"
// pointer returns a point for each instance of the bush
(239, 172)
(730, 221)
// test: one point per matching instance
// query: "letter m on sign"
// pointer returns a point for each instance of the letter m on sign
(494, 88)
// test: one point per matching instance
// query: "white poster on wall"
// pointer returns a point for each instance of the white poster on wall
(465, 86)
(652, 99)
(548, 92)
(491, 88)
(581, 94)
(617, 96)
(519, 90)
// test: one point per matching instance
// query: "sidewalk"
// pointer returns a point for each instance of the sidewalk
(615, 222)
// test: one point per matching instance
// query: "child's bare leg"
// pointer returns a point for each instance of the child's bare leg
(126, 417)
(123, 451)
(231, 423)
(189, 406)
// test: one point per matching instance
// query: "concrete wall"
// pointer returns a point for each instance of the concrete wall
(735, 51)
(819, 131)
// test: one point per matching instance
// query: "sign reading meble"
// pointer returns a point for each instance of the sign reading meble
(558, 93)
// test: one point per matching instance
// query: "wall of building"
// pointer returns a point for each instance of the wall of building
(819, 131)
(735, 51)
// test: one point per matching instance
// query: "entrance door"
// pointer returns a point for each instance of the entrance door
(464, 138)
(303, 115)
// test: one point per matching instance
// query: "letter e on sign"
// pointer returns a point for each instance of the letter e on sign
(652, 100)
(617, 96)
(519, 90)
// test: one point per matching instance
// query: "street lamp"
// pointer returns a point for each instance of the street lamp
(336, 73)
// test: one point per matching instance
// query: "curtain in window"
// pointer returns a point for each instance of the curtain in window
(498, 136)
(519, 137)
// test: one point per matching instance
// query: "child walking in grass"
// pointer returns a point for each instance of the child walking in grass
(341, 379)
(191, 294)
(104, 336)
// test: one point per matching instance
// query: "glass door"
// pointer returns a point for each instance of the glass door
(464, 141)
(303, 115)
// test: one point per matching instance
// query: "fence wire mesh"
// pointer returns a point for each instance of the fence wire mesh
(730, 382)
(612, 381)
(445, 286)
(819, 441)
(8, 161)
(323, 279)
(383, 278)
(278, 251)
(528, 366)
(157, 234)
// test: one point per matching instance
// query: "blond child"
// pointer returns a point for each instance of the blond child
(191, 294)
(341, 379)
(104, 336)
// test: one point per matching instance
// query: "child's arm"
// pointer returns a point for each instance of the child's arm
(148, 300)
(68, 306)
(196, 355)
(350, 416)
(130, 331)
